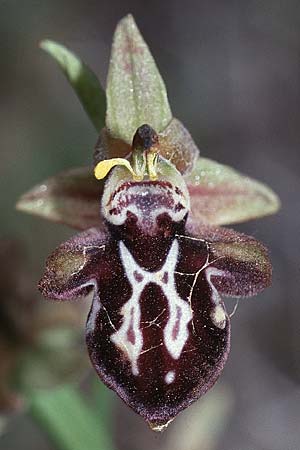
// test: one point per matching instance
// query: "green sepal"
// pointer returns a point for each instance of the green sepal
(136, 93)
(220, 195)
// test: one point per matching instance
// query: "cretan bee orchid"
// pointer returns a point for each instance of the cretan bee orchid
(150, 248)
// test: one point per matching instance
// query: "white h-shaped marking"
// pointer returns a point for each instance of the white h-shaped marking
(129, 337)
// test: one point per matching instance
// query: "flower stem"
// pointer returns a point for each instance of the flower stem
(69, 421)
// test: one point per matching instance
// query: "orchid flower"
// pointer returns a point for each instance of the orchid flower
(150, 247)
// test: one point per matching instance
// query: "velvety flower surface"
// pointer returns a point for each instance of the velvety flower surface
(158, 332)
(158, 352)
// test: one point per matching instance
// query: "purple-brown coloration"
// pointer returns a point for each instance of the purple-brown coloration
(149, 392)
(241, 257)
(203, 355)
(158, 332)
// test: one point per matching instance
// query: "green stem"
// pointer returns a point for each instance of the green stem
(103, 402)
(69, 421)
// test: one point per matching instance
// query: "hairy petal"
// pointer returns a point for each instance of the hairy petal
(158, 334)
(71, 197)
(136, 93)
(70, 272)
(177, 145)
(244, 261)
(109, 147)
(82, 79)
(220, 195)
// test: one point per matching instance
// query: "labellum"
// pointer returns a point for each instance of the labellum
(162, 336)
(158, 333)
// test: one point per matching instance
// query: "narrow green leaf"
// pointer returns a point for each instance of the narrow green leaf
(103, 401)
(69, 421)
(83, 80)
(136, 93)
(220, 195)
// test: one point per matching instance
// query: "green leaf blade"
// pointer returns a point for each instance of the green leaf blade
(69, 420)
(82, 79)
(136, 93)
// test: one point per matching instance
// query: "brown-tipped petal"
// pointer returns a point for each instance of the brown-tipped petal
(220, 195)
(72, 197)
(70, 270)
(244, 261)
(109, 147)
(177, 145)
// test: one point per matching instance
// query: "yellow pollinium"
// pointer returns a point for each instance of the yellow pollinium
(103, 167)
(151, 165)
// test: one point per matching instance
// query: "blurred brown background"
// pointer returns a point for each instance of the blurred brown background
(232, 69)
